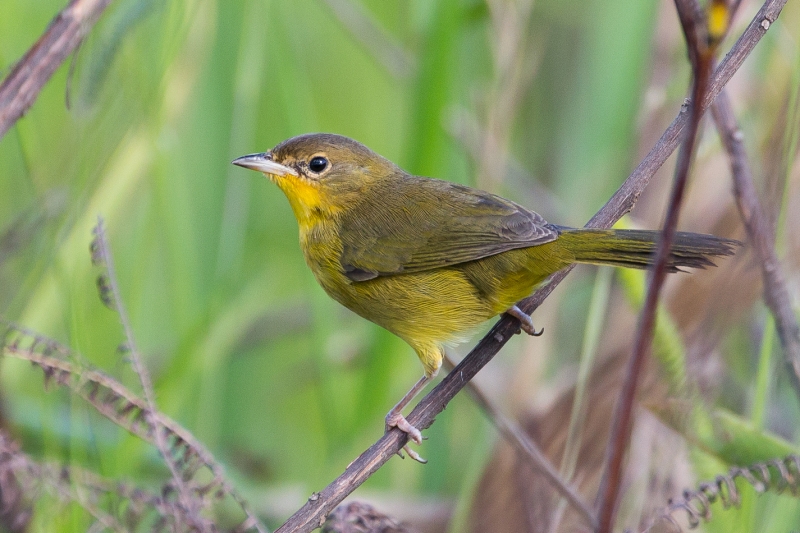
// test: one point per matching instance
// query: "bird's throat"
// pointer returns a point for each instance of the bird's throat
(304, 197)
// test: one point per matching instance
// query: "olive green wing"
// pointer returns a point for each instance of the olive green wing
(445, 224)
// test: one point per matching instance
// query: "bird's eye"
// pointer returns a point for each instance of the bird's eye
(318, 164)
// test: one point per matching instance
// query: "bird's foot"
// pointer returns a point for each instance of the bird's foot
(525, 322)
(411, 453)
(397, 420)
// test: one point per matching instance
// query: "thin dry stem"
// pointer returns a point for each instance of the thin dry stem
(528, 449)
(21, 87)
(776, 295)
(101, 256)
(701, 57)
(777, 474)
(114, 401)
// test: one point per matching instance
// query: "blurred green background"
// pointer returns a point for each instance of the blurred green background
(550, 103)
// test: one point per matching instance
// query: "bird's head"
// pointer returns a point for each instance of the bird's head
(320, 173)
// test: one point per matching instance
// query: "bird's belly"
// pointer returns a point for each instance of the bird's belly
(437, 306)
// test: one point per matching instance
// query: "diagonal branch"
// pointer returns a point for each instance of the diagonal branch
(758, 229)
(23, 84)
(528, 450)
(700, 57)
(313, 513)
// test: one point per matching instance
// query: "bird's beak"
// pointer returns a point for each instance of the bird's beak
(263, 163)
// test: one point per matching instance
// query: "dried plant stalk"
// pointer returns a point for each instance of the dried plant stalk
(777, 474)
(71, 484)
(21, 87)
(129, 411)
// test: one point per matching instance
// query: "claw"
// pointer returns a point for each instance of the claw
(525, 322)
(414, 455)
(398, 421)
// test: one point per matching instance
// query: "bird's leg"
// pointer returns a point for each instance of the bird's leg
(396, 419)
(525, 321)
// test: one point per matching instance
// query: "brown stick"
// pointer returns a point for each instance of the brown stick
(528, 450)
(758, 229)
(622, 422)
(312, 514)
(66, 31)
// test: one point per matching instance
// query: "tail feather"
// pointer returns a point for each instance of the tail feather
(636, 248)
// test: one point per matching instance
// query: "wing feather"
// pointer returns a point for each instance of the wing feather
(446, 225)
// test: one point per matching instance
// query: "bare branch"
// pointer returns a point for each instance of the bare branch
(313, 513)
(758, 229)
(66, 31)
(528, 450)
(701, 57)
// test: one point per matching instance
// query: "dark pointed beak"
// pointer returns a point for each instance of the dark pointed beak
(263, 163)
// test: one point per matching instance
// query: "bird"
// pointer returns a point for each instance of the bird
(430, 260)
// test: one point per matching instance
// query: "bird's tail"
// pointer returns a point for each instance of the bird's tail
(636, 248)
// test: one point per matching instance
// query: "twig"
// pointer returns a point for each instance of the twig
(101, 256)
(758, 229)
(776, 474)
(527, 448)
(701, 53)
(114, 401)
(577, 419)
(313, 512)
(71, 483)
(66, 31)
